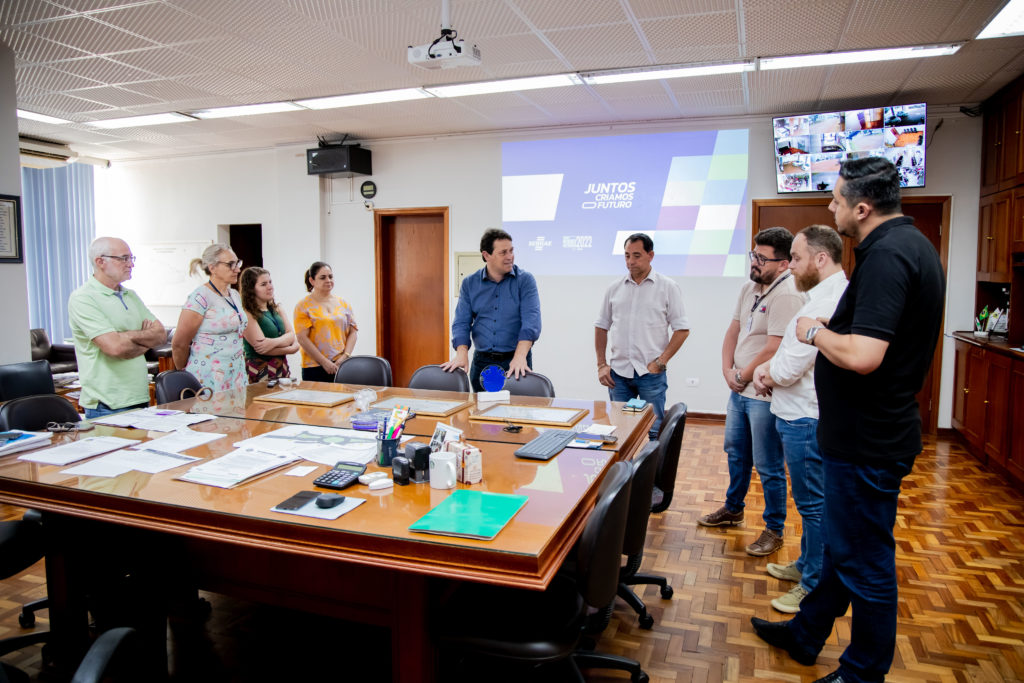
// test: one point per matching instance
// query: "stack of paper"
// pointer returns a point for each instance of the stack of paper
(65, 454)
(153, 419)
(235, 467)
(22, 441)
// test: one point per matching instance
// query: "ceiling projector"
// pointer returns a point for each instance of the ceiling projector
(444, 53)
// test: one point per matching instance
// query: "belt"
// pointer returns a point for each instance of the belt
(494, 355)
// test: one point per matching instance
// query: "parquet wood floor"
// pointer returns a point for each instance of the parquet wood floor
(960, 557)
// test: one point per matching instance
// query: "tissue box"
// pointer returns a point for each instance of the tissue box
(468, 462)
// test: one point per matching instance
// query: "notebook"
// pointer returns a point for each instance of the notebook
(470, 514)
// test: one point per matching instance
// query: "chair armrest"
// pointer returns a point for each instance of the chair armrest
(98, 658)
(154, 355)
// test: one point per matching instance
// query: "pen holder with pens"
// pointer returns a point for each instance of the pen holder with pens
(387, 449)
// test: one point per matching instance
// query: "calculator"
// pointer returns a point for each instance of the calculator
(342, 475)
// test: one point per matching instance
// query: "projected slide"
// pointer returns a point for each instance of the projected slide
(570, 203)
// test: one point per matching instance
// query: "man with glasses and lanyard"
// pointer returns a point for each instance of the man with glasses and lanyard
(765, 307)
(112, 330)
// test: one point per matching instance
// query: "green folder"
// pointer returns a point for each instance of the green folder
(470, 514)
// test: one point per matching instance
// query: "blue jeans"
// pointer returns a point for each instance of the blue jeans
(859, 567)
(807, 479)
(102, 409)
(751, 441)
(650, 387)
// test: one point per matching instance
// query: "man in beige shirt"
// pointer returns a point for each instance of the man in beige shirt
(765, 307)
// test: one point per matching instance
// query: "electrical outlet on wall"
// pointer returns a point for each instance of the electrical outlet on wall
(693, 381)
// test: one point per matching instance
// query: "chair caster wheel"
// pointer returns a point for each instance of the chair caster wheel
(646, 621)
(642, 677)
(27, 620)
(667, 593)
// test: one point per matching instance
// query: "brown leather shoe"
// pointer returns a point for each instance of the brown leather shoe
(723, 516)
(766, 544)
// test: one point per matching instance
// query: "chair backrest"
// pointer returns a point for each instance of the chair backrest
(32, 413)
(433, 377)
(25, 379)
(170, 384)
(645, 467)
(21, 546)
(40, 343)
(671, 441)
(530, 384)
(598, 554)
(372, 370)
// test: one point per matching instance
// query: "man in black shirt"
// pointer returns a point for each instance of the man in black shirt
(873, 356)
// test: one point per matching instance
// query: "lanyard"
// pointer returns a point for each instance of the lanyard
(228, 299)
(759, 299)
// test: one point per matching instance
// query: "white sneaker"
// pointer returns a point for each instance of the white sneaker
(784, 572)
(790, 602)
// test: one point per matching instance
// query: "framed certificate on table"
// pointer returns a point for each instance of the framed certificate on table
(10, 230)
(422, 406)
(557, 417)
(307, 397)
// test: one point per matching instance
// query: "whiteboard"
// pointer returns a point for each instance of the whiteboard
(160, 276)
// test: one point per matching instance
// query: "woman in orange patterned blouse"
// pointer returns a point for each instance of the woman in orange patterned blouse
(324, 326)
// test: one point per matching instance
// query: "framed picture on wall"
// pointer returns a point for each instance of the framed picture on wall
(10, 230)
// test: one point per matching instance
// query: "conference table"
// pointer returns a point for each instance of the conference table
(366, 566)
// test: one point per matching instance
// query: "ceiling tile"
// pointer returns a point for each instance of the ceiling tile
(113, 96)
(102, 69)
(786, 27)
(88, 35)
(53, 80)
(545, 15)
(159, 23)
(26, 11)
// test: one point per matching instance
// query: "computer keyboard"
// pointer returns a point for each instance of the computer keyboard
(547, 445)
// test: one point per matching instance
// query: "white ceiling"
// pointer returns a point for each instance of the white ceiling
(85, 60)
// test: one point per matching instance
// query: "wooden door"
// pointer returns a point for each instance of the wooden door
(1015, 459)
(412, 289)
(974, 410)
(931, 216)
(997, 391)
(960, 386)
(994, 214)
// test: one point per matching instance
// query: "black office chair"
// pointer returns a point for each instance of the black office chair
(96, 666)
(33, 413)
(170, 384)
(671, 440)
(21, 546)
(530, 384)
(25, 379)
(433, 377)
(30, 413)
(547, 628)
(372, 370)
(645, 467)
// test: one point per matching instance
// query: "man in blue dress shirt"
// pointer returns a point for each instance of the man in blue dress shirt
(498, 311)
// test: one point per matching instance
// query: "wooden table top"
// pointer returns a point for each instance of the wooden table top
(526, 553)
(242, 404)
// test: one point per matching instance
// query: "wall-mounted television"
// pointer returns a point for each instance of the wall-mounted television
(809, 148)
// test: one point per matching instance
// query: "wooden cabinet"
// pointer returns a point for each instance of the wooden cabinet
(1015, 414)
(991, 146)
(1002, 165)
(1017, 221)
(994, 216)
(988, 405)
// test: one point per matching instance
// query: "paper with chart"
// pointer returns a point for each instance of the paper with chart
(236, 467)
(325, 445)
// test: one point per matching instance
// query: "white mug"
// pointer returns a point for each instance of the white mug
(442, 470)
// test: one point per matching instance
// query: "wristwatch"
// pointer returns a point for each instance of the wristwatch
(811, 334)
(739, 377)
(661, 366)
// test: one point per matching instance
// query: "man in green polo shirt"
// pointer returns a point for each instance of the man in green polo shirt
(112, 330)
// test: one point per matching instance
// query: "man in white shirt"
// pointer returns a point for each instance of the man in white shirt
(816, 264)
(637, 313)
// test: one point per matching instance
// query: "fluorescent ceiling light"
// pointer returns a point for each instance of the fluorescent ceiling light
(510, 85)
(659, 72)
(150, 120)
(1009, 22)
(32, 116)
(859, 56)
(359, 99)
(246, 110)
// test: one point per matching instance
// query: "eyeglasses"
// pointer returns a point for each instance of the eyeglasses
(68, 426)
(232, 264)
(123, 259)
(761, 260)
